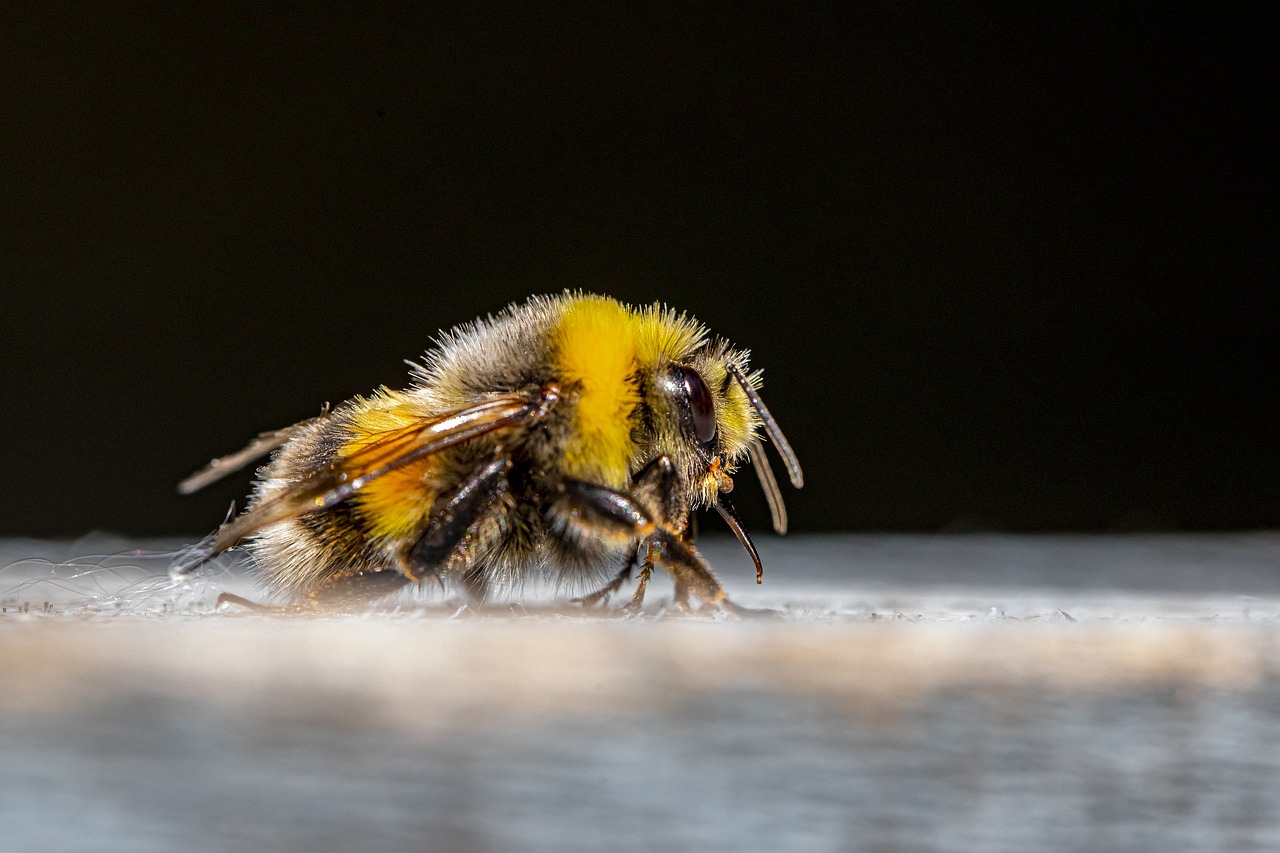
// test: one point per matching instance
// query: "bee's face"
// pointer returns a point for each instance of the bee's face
(701, 419)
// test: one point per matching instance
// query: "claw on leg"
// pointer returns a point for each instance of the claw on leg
(646, 569)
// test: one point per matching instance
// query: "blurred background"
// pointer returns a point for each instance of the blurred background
(1006, 270)
(1009, 270)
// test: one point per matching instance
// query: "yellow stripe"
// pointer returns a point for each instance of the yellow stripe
(595, 350)
(662, 335)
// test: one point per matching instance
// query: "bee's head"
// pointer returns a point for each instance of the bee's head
(700, 408)
(704, 412)
(702, 418)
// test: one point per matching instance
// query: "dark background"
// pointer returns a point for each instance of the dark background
(1008, 269)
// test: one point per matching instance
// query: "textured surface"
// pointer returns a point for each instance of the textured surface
(915, 693)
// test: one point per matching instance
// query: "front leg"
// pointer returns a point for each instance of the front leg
(656, 485)
(588, 510)
(637, 598)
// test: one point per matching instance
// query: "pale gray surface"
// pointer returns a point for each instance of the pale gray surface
(918, 693)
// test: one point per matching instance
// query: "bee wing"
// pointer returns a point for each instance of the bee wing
(232, 462)
(384, 452)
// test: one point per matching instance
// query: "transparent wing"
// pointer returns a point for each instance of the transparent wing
(232, 462)
(385, 452)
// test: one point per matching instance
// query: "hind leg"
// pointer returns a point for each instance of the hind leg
(357, 589)
(352, 590)
(464, 521)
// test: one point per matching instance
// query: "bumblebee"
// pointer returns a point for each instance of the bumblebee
(568, 436)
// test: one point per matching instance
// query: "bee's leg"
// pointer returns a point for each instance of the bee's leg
(692, 574)
(596, 508)
(612, 586)
(356, 589)
(646, 569)
(680, 598)
(230, 598)
(657, 485)
(659, 482)
(456, 527)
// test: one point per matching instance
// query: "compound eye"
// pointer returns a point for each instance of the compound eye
(701, 405)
